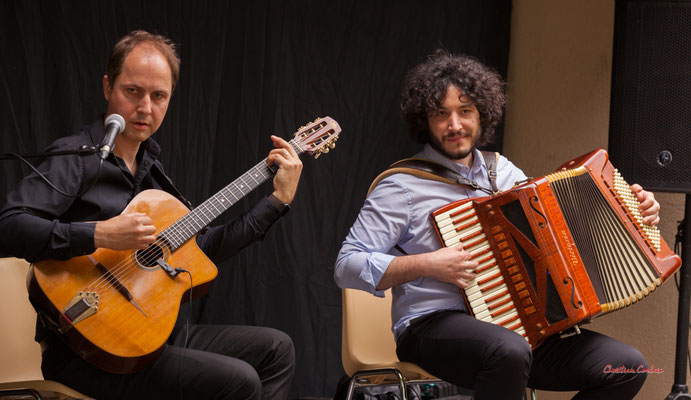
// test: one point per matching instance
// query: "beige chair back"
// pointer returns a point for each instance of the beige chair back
(20, 355)
(367, 340)
(367, 336)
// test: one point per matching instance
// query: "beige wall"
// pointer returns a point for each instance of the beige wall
(559, 91)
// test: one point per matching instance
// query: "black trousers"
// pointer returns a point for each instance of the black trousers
(220, 362)
(497, 363)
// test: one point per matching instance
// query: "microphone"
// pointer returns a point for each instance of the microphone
(114, 124)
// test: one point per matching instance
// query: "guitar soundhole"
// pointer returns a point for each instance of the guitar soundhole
(147, 258)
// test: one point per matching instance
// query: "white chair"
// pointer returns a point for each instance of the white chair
(20, 363)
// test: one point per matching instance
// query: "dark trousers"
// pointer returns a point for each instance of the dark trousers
(497, 363)
(220, 362)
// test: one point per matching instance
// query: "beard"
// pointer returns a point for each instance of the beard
(457, 154)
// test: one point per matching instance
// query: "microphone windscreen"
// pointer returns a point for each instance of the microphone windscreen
(117, 119)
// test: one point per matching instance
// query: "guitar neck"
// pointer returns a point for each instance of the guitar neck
(186, 227)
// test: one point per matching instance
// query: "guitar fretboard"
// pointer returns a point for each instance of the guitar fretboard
(186, 227)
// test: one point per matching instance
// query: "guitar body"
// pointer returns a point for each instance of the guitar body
(122, 335)
(116, 309)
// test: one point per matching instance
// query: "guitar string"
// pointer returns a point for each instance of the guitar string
(176, 232)
(120, 271)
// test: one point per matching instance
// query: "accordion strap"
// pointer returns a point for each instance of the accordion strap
(426, 169)
(491, 160)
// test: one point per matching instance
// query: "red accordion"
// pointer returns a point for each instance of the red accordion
(557, 251)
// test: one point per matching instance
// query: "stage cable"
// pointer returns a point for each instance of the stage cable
(187, 328)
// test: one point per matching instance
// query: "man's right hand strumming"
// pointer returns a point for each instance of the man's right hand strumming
(130, 231)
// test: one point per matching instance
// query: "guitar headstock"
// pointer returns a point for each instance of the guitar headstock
(317, 137)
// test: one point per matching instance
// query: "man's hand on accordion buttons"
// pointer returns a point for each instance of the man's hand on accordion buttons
(650, 208)
(453, 265)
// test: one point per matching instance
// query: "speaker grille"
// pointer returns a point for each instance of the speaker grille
(650, 118)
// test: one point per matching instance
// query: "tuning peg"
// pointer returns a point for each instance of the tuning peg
(325, 150)
(317, 154)
(332, 145)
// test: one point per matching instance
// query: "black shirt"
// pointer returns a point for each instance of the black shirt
(39, 223)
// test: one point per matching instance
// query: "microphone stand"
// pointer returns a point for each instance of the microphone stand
(82, 151)
(680, 389)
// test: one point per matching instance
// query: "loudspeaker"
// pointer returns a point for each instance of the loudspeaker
(650, 112)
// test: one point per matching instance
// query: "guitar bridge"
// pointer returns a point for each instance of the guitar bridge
(82, 306)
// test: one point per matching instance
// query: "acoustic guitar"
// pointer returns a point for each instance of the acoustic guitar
(116, 309)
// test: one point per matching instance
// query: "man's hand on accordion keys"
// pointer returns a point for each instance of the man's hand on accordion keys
(650, 208)
(453, 265)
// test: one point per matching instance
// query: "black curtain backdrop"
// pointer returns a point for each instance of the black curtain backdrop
(250, 69)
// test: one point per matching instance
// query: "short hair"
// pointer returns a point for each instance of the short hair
(128, 42)
(425, 86)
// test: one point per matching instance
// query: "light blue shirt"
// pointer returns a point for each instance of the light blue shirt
(398, 212)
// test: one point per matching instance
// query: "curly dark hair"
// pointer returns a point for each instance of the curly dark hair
(425, 85)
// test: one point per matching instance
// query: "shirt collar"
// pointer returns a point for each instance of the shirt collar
(478, 166)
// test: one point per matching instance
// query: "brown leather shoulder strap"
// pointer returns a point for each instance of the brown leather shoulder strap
(491, 160)
(418, 167)
(425, 169)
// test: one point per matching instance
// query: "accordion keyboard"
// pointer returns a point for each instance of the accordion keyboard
(487, 295)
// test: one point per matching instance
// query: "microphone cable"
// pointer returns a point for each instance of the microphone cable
(114, 125)
(84, 148)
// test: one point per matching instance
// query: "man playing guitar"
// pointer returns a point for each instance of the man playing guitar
(38, 223)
